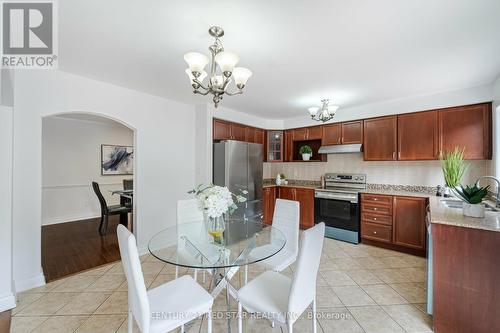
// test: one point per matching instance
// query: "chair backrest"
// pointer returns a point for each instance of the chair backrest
(303, 289)
(286, 218)
(188, 211)
(137, 295)
(128, 184)
(102, 201)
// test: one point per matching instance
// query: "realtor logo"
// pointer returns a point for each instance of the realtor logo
(29, 34)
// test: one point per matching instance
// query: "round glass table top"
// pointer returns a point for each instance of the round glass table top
(242, 243)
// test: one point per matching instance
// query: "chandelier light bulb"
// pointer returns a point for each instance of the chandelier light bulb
(313, 110)
(241, 76)
(200, 78)
(196, 61)
(226, 61)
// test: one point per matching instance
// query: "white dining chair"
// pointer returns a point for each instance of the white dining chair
(279, 298)
(163, 308)
(189, 211)
(286, 218)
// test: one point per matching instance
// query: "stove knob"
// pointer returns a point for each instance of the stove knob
(356, 178)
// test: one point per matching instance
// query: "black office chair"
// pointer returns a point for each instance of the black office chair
(128, 184)
(106, 210)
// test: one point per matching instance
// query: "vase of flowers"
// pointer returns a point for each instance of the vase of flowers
(216, 201)
(306, 152)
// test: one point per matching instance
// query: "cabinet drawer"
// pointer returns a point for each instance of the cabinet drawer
(380, 210)
(376, 232)
(379, 219)
(377, 198)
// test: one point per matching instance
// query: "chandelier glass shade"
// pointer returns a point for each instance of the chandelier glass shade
(223, 70)
(323, 113)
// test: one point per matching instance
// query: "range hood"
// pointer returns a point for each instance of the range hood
(341, 149)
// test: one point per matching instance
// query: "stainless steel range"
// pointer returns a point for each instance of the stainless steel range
(336, 204)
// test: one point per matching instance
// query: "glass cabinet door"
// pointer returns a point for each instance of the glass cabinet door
(275, 146)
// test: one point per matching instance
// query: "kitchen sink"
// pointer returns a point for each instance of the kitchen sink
(450, 203)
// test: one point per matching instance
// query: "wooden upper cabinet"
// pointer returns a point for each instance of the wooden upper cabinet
(467, 127)
(259, 135)
(380, 139)
(418, 136)
(314, 133)
(299, 134)
(238, 132)
(221, 130)
(332, 134)
(249, 134)
(352, 132)
(409, 222)
(288, 148)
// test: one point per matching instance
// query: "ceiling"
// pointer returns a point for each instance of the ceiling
(354, 52)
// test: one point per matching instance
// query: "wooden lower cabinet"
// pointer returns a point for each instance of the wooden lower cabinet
(304, 196)
(268, 203)
(396, 222)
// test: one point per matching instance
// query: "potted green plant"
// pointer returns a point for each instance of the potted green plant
(473, 198)
(454, 167)
(306, 152)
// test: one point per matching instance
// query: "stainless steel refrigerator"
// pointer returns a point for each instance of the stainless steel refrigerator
(238, 165)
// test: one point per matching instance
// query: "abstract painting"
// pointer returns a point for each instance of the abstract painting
(117, 160)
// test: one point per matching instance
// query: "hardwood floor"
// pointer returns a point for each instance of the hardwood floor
(69, 248)
(5, 321)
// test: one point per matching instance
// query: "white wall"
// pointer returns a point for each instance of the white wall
(7, 300)
(404, 105)
(423, 173)
(71, 157)
(164, 154)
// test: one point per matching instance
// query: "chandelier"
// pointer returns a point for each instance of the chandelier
(323, 113)
(222, 70)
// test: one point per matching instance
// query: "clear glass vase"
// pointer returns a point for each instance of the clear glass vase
(215, 228)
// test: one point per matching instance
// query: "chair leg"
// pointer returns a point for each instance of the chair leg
(246, 275)
(124, 219)
(209, 321)
(204, 276)
(196, 275)
(290, 326)
(130, 321)
(240, 318)
(176, 272)
(103, 227)
(182, 328)
(314, 315)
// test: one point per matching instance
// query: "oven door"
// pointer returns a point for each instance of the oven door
(337, 213)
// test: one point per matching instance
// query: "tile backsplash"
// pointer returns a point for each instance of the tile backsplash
(424, 173)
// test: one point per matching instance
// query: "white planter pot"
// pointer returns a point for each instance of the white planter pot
(306, 157)
(471, 210)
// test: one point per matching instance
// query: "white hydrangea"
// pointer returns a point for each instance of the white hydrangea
(215, 201)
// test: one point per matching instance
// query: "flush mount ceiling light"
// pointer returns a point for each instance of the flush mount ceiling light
(323, 113)
(222, 70)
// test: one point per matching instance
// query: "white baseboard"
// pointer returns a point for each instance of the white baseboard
(7, 302)
(29, 283)
(65, 219)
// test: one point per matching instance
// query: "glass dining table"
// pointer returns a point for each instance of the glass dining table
(243, 243)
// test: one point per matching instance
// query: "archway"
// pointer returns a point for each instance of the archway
(79, 148)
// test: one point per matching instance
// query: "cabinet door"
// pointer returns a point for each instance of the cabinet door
(238, 132)
(287, 193)
(467, 127)
(299, 134)
(380, 139)
(418, 136)
(305, 197)
(221, 130)
(249, 134)
(259, 136)
(288, 146)
(314, 133)
(274, 146)
(352, 132)
(409, 222)
(268, 198)
(332, 134)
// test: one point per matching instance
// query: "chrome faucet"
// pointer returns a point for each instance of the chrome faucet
(498, 186)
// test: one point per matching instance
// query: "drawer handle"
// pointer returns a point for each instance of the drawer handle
(374, 208)
(374, 232)
(375, 199)
(374, 219)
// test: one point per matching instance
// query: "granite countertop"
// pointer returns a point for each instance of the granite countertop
(312, 186)
(397, 192)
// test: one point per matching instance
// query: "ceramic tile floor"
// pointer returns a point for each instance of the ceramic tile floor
(360, 289)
